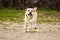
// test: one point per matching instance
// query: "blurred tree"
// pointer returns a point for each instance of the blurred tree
(20, 4)
(5, 3)
(54, 4)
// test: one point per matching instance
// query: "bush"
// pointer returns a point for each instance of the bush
(46, 8)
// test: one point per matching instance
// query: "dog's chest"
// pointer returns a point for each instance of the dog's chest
(32, 18)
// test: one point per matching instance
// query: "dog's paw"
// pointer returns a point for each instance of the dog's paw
(34, 30)
(27, 30)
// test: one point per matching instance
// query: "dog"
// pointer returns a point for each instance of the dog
(30, 19)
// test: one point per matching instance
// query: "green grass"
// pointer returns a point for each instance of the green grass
(12, 15)
(18, 15)
(48, 16)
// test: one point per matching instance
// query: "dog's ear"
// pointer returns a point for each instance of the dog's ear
(35, 8)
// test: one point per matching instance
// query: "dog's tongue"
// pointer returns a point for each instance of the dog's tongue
(30, 14)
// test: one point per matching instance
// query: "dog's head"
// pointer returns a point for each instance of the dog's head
(29, 11)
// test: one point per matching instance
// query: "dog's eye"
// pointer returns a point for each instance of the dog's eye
(28, 10)
(31, 10)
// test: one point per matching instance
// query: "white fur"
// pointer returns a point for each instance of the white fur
(30, 23)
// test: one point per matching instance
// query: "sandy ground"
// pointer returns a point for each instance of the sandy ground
(14, 31)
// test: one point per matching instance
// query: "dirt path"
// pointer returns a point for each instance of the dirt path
(14, 31)
(17, 35)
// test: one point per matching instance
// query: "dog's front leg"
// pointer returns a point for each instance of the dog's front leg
(25, 23)
(25, 26)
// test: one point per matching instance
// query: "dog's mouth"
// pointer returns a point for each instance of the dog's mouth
(30, 14)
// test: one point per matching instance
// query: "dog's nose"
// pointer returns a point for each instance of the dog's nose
(30, 13)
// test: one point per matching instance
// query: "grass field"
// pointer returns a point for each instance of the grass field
(11, 15)
(18, 15)
(48, 16)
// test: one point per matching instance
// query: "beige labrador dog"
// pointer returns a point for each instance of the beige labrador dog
(30, 19)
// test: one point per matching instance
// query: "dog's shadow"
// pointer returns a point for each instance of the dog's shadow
(30, 31)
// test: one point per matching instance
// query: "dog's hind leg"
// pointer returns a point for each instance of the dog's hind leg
(34, 26)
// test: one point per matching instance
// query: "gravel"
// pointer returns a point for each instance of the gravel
(14, 31)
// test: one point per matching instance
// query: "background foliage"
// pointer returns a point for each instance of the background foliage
(21, 4)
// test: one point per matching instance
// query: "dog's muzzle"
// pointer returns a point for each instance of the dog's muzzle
(30, 14)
